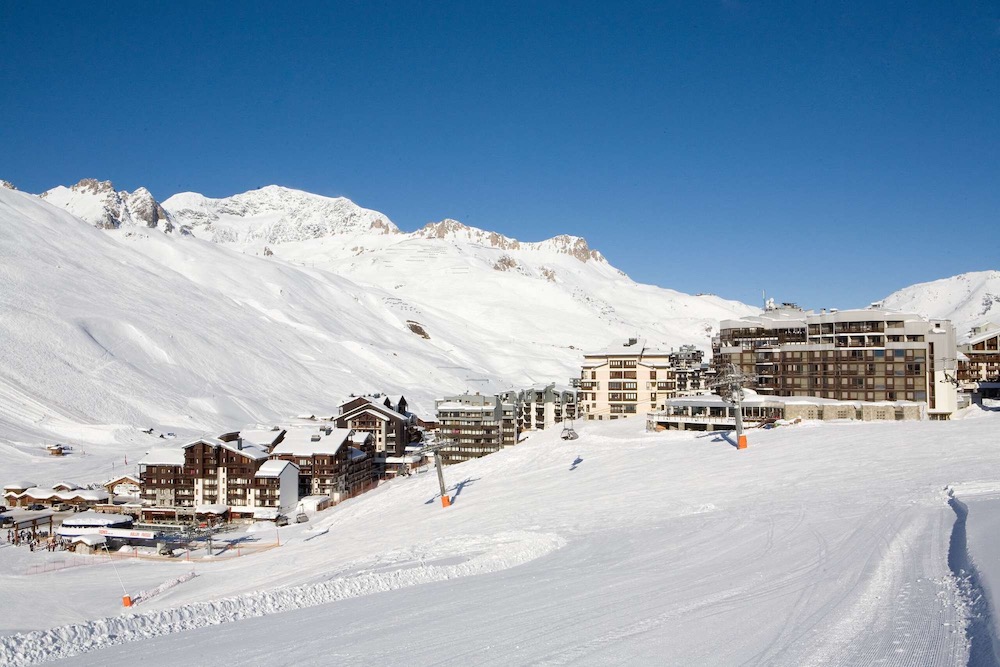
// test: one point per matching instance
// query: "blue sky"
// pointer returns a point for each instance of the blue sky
(829, 153)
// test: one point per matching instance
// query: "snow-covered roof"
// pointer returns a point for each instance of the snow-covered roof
(299, 442)
(96, 519)
(984, 335)
(90, 539)
(18, 486)
(273, 468)
(361, 437)
(356, 454)
(163, 456)
(370, 408)
(65, 486)
(247, 448)
(639, 348)
(122, 478)
(264, 437)
(39, 493)
(211, 509)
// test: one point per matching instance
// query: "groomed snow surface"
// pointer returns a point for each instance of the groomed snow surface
(822, 544)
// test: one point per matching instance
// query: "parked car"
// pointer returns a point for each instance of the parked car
(3, 508)
(35, 507)
(61, 507)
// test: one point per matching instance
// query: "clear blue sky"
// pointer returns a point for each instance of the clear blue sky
(827, 152)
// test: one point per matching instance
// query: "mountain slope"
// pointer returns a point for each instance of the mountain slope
(106, 332)
(967, 300)
(557, 292)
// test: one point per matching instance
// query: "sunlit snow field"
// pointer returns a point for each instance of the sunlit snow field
(822, 544)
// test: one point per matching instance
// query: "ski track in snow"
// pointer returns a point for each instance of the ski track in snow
(483, 554)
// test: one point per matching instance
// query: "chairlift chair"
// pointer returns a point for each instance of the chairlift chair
(301, 517)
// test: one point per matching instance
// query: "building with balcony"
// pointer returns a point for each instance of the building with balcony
(378, 414)
(329, 460)
(476, 425)
(213, 472)
(856, 355)
(626, 380)
(979, 361)
(544, 407)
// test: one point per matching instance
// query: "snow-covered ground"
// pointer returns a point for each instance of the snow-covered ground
(822, 544)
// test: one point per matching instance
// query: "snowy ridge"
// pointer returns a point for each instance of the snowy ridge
(275, 214)
(968, 300)
(455, 230)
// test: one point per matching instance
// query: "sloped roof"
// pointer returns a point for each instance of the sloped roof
(273, 468)
(299, 442)
(163, 456)
(385, 412)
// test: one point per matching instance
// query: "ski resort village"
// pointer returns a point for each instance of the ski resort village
(222, 419)
(511, 334)
(276, 415)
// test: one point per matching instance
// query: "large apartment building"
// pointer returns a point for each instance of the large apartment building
(386, 419)
(544, 407)
(227, 470)
(625, 380)
(858, 355)
(476, 425)
(331, 461)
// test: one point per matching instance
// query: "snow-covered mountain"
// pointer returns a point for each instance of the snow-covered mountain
(274, 215)
(100, 204)
(967, 300)
(555, 293)
(104, 332)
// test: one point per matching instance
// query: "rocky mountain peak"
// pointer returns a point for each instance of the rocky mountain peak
(7, 185)
(575, 246)
(100, 204)
(95, 187)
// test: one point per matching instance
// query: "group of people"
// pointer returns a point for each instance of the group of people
(36, 541)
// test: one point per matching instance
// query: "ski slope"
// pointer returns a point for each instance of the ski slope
(822, 544)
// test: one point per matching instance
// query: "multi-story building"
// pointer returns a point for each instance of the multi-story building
(215, 471)
(328, 463)
(476, 425)
(544, 407)
(858, 355)
(625, 380)
(690, 370)
(979, 365)
(378, 415)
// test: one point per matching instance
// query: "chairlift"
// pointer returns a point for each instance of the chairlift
(301, 517)
(569, 433)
